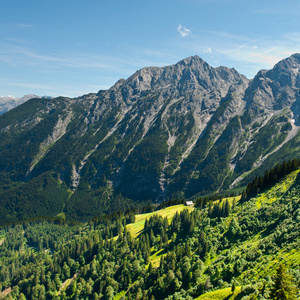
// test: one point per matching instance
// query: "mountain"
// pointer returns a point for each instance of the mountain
(8, 103)
(178, 131)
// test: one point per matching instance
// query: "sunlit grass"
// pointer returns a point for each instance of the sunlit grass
(119, 295)
(155, 258)
(220, 294)
(61, 215)
(136, 228)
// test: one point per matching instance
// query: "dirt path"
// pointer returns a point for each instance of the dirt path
(66, 283)
(5, 292)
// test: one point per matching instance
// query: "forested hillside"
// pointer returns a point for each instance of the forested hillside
(223, 248)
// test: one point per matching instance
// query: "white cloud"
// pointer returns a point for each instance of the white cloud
(207, 50)
(183, 30)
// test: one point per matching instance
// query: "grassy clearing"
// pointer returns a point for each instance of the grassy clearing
(155, 258)
(231, 199)
(220, 294)
(136, 228)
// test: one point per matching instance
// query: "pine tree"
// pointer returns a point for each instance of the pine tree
(226, 208)
(283, 287)
(233, 286)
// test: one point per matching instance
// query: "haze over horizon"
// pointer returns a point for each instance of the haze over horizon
(71, 48)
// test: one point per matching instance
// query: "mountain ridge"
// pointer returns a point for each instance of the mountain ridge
(172, 132)
(10, 102)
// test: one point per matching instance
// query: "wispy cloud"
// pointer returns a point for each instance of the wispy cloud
(265, 53)
(24, 25)
(246, 54)
(293, 37)
(217, 35)
(250, 58)
(243, 52)
(30, 85)
(207, 50)
(280, 8)
(183, 30)
(16, 54)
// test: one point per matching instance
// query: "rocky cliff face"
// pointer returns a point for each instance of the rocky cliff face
(176, 131)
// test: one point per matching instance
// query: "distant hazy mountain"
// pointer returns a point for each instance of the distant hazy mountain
(178, 131)
(9, 102)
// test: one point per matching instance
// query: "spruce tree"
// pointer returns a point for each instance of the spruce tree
(283, 287)
(233, 286)
(226, 208)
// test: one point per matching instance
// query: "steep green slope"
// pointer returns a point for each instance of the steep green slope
(45, 195)
(265, 228)
(194, 254)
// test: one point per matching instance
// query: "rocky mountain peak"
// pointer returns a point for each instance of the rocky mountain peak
(191, 72)
(286, 72)
(175, 131)
(191, 60)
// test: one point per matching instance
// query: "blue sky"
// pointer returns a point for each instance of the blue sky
(69, 48)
